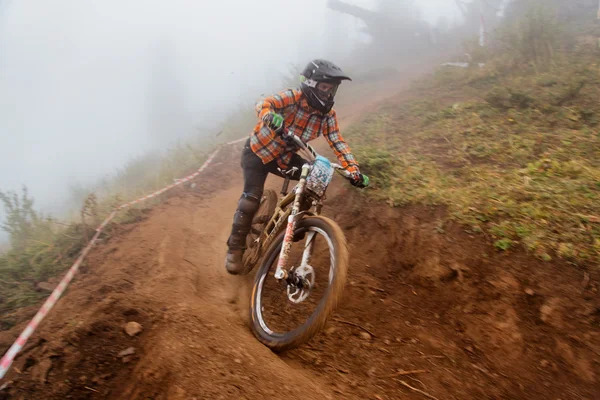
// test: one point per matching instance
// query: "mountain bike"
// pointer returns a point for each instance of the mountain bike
(302, 256)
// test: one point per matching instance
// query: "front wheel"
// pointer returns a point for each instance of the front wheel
(286, 314)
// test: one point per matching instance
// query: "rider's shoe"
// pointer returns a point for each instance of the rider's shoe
(234, 261)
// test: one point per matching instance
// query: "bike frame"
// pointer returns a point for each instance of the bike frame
(281, 272)
(289, 208)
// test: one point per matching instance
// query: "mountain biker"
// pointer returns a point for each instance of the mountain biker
(306, 112)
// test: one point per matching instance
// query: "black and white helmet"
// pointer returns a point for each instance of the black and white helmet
(319, 81)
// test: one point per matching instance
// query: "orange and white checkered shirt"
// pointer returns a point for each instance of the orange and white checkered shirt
(304, 122)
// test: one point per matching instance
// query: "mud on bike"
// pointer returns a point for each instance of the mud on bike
(302, 257)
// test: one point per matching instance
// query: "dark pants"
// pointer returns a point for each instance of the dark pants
(255, 172)
(255, 175)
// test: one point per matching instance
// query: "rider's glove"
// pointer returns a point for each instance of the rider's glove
(360, 180)
(273, 121)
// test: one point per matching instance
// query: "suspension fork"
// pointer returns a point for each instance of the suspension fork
(308, 248)
(281, 272)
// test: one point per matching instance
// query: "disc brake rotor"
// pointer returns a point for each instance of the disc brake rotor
(307, 275)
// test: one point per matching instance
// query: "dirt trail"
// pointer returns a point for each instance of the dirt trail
(167, 274)
(469, 323)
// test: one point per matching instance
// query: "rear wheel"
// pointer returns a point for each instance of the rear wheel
(286, 314)
(268, 203)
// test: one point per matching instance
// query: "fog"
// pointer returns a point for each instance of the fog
(85, 85)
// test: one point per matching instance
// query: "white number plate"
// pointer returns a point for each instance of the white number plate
(320, 176)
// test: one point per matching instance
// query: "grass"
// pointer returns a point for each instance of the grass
(22, 269)
(41, 248)
(513, 152)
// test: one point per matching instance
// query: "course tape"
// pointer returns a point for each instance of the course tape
(18, 345)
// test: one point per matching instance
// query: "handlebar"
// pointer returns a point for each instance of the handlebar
(310, 154)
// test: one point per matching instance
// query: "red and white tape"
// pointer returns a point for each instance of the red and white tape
(17, 346)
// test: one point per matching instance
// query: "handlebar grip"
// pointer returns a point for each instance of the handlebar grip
(342, 171)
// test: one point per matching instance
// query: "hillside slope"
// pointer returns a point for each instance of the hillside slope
(449, 317)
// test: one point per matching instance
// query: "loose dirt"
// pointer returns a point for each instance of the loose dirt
(430, 311)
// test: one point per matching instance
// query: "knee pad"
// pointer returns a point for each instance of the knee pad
(249, 203)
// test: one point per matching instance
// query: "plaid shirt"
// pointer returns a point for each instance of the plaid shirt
(304, 122)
